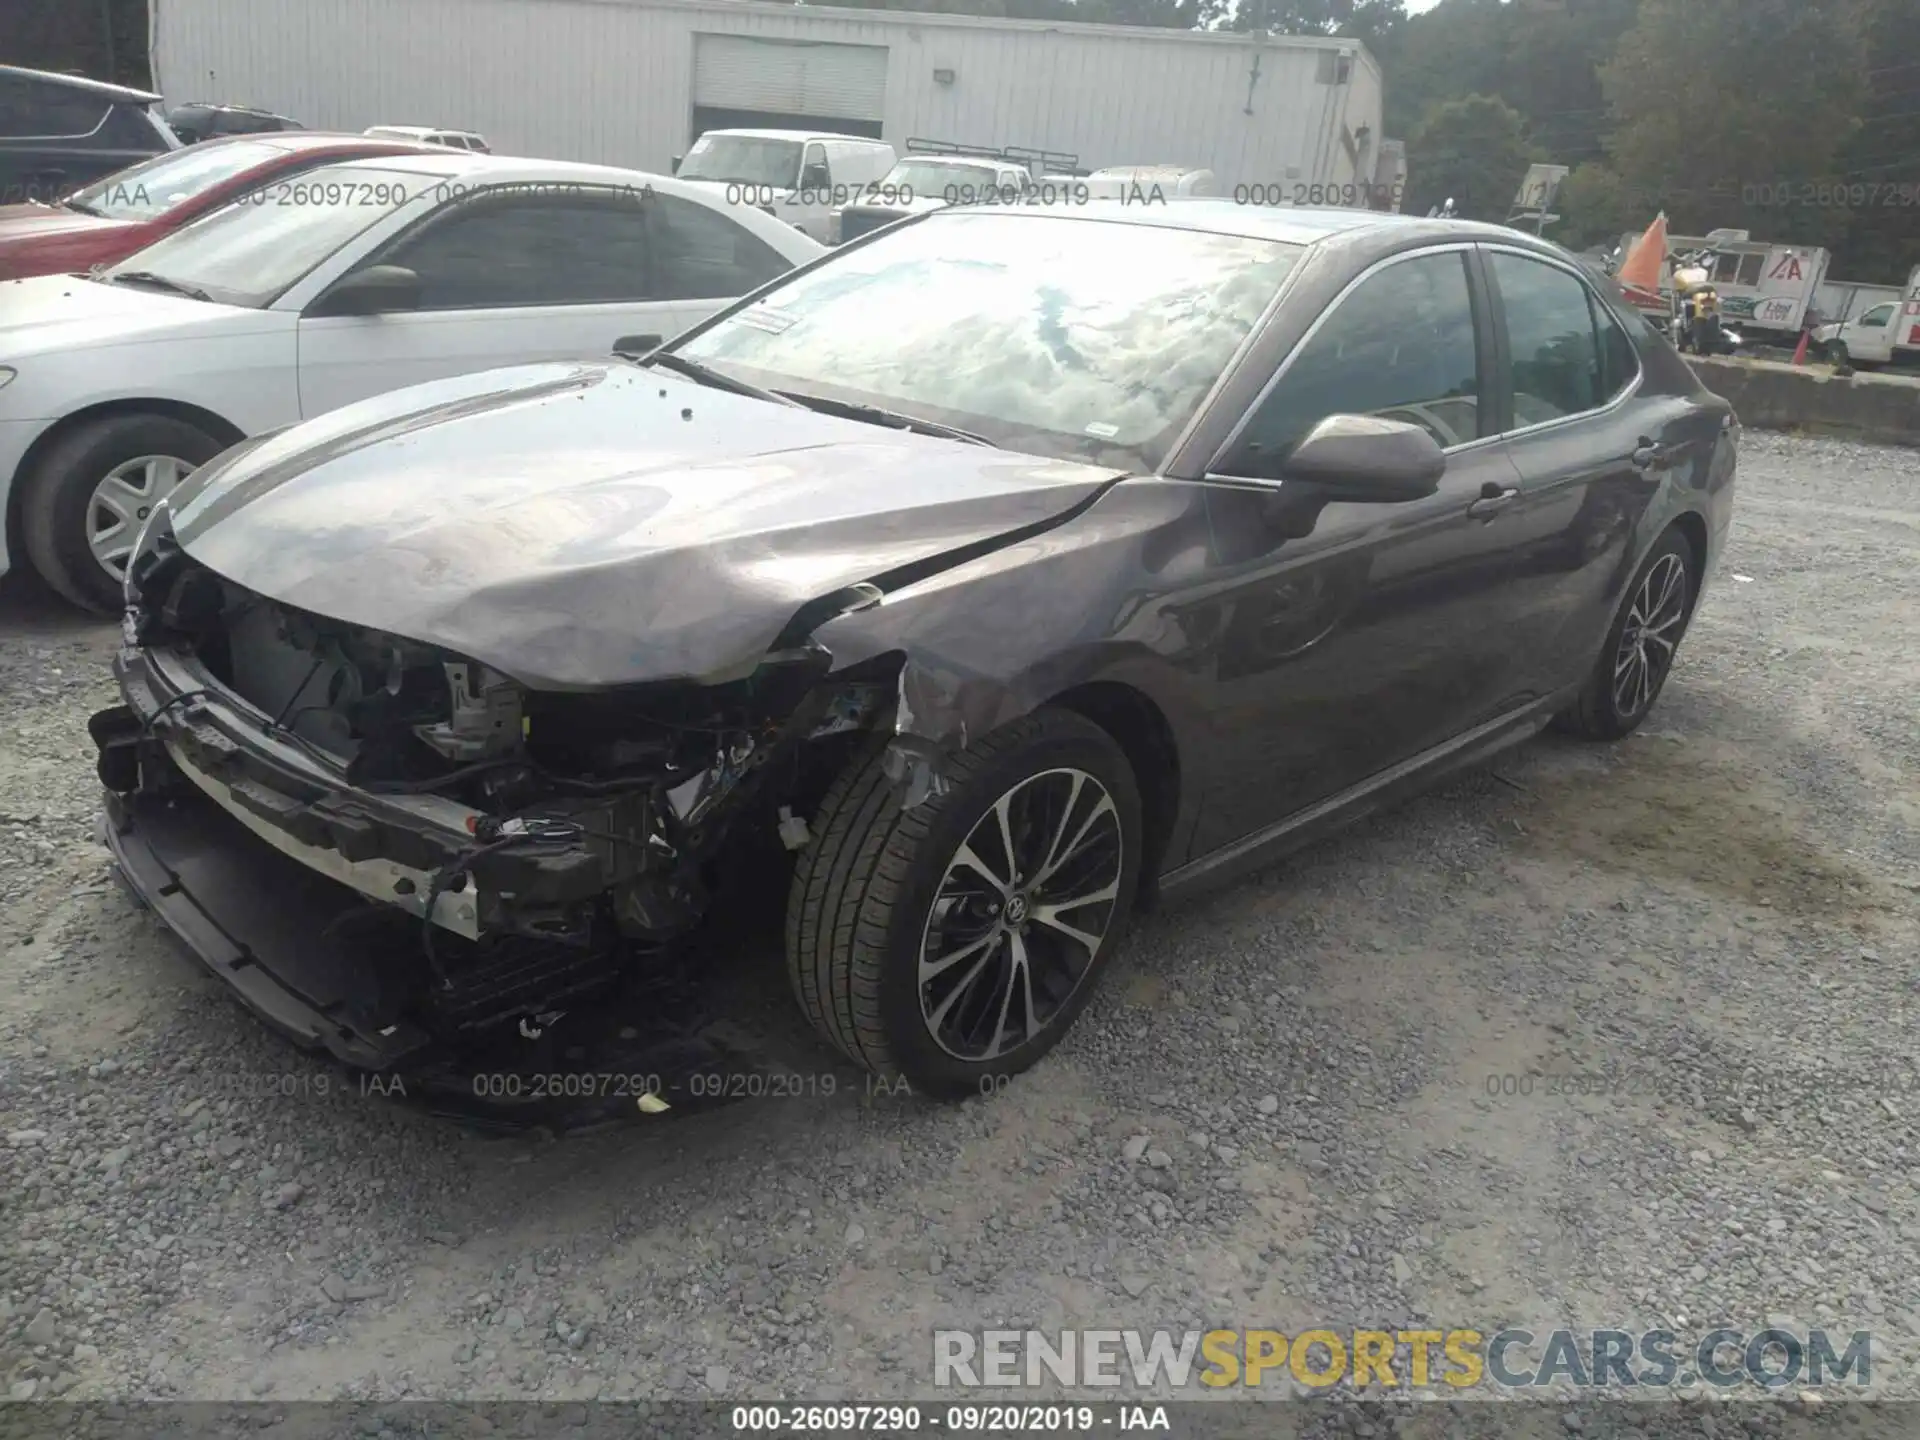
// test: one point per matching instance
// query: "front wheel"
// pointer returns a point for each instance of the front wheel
(91, 493)
(951, 945)
(1641, 644)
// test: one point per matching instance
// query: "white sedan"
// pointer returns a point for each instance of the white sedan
(353, 280)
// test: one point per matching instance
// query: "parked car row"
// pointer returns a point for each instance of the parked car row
(322, 279)
(839, 187)
(252, 280)
(118, 214)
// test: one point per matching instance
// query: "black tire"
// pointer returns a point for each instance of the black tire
(864, 892)
(1838, 357)
(1612, 703)
(58, 497)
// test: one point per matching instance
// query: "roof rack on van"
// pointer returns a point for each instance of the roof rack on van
(1047, 162)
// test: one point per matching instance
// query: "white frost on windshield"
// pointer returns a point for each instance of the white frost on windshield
(765, 317)
(1059, 326)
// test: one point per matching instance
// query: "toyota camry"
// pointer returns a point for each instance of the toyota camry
(1011, 568)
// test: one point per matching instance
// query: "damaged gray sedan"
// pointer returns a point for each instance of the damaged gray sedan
(1008, 569)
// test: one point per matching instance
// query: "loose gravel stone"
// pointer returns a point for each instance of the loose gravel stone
(1510, 1053)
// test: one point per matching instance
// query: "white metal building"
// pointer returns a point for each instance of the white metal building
(631, 82)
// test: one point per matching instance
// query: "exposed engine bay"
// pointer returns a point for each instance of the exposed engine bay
(517, 847)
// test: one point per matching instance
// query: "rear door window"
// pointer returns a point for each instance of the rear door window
(1555, 355)
(701, 254)
(35, 109)
(128, 127)
(571, 249)
(1619, 361)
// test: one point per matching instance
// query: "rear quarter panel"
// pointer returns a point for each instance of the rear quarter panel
(1701, 431)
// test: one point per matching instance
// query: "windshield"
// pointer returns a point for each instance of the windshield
(743, 160)
(247, 252)
(155, 186)
(1071, 337)
(931, 179)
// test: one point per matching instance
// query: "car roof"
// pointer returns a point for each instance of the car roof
(798, 135)
(80, 82)
(477, 169)
(974, 160)
(292, 141)
(422, 130)
(225, 108)
(1286, 224)
(1136, 172)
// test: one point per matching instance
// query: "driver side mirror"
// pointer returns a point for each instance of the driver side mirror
(1357, 458)
(676, 164)
(376, 290)
(815, 176)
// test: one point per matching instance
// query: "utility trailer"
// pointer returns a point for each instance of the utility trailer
(1765, 289)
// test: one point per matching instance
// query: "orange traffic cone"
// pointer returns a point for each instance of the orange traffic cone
(1640, 272)
(1800, 350)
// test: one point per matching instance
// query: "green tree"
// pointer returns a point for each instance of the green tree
(1715, 101)
(1593, 206)
(1374, 23)
(1551, 72)
(1881, 162)
(1473, 150)
(1456, 49)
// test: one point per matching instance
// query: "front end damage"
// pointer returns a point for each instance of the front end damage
(386, 847)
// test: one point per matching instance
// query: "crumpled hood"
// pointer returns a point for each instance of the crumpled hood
(67, 312)
(596, 523)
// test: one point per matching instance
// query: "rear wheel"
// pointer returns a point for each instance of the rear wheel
(91, 493)
(952, 944)
(1641, 644)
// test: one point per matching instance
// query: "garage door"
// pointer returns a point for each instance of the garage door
(735, 73)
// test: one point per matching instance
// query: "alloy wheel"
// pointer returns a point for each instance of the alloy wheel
(121, 503)
(1020, 914)
(1650, 636)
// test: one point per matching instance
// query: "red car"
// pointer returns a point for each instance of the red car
(109, 219)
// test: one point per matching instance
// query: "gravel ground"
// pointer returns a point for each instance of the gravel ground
(1281, 1111)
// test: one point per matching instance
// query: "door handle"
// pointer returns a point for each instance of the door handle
(636, 344)
(1493, 498)
(1651, 455)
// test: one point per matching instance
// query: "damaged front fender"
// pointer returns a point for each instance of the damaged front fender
(983, 643)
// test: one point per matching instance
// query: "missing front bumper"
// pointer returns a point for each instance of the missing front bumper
(274, 931)
(311, 898)
(398, 850)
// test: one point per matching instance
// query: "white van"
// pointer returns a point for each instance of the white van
(799, 176)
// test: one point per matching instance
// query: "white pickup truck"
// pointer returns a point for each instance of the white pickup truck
(1884, 334)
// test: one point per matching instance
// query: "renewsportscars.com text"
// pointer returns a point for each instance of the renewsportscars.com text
(1157, 1360)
